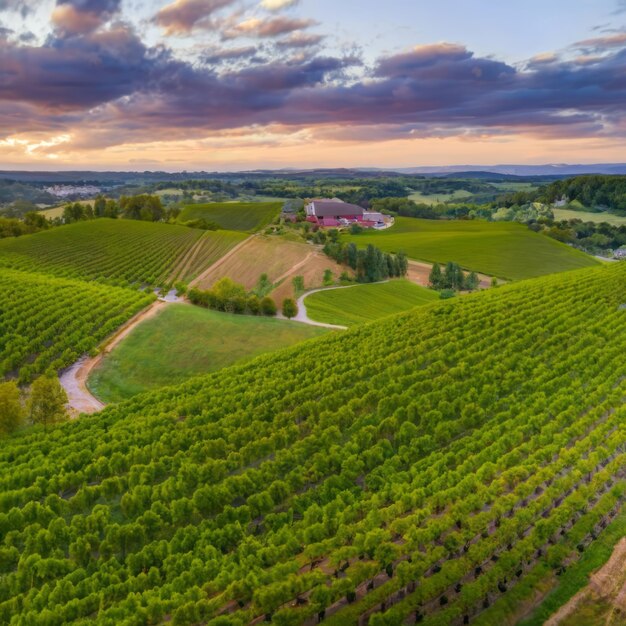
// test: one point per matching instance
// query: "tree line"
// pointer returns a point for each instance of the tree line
(371, 264)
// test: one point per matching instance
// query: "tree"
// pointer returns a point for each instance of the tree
(298, 284)
(11, 410)
(290, 308)
(435, 279)
(472, 281)
(268, 306)
(328, 277)
(47, 401)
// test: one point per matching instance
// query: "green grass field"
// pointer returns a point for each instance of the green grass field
(241, 216)
(184, 341)
(505, 249)
(437, 198)
(588, 216)
(364, 303)
(118, 251)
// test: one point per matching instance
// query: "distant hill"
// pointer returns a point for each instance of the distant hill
(556, 169)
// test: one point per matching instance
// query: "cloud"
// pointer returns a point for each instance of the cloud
(277, 5)
(182, 16)
(73, 17)
(599, 44)
(299, 39)
(23, 7)
(216, 57)
(264, 28)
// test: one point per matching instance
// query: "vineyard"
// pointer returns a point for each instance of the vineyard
(122, 252)
(364, 303)
(416, 469)
(50, 322)
(504, 249)
(242, 216)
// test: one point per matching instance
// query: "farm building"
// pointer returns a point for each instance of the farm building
(335, 212)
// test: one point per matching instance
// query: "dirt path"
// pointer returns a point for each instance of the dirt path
(608, 584)
(74, 379)
(295, 268)
(198, 279)
(185, 263)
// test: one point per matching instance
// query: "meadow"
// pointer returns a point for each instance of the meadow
(183, 341)
(240, 216)
(49, 322)
(504, 249)
(122, 252)
(415, 469)
(365, 303)
(589, 216)
(438, 198)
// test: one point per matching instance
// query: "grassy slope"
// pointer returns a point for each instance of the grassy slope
(185, 341)
(504, 249)
(364, 303)
(114, 250)
(436, 198)
(242, 216)
(588, 216)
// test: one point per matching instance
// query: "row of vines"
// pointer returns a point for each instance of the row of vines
(410, 470)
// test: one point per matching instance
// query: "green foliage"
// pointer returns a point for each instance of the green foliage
(371, 265)
(231, 297)
(436, 453)
(143, 207)
(365, 303)
(298, 284)
(590, 191)
(54, 321)
(11, 409)
(290, 308)
(46, 405)
(240, 216)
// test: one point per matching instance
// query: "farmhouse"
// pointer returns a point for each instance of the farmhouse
(335, 212)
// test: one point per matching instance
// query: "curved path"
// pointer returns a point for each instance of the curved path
(74, 379)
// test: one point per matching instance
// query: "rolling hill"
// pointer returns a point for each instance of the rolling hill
(419, 468)
(365, 303)
(241, 216)
(504, 249)
(123, 252)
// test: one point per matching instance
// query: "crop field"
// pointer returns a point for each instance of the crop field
(241, 216)
(415, 469)
(183, 341)
(122, 252)
(503, 249)
(277, 257)
(437, 198)
(365, 303)
(588, 216)
(50, 322)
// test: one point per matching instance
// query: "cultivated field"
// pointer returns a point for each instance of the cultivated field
(588, 216)
(437, 198)
(49, 322)
(241, 216)
(426, 467)
(504, 249)
(277, 257)
(123, 252)
(365, 303)
(184, 341)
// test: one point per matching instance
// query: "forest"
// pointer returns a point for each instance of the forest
(311, 485)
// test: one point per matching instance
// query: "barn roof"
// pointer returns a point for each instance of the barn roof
(334, 208)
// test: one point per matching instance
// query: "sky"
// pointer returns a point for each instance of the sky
(221, 85)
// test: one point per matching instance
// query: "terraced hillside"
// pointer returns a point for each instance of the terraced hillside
(504, 249)
(413, 469)
(118, 251)
(242, 216)
(50, 322)
(365, 303)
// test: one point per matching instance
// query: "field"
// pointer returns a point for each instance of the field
(277, 257)
(184, 341)
(364, 303)
(437, 198)
(123, 252)
(52, 213)
(50, 322)
(241, 216)
(504, 249)
(415, 469)
(588, 216)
